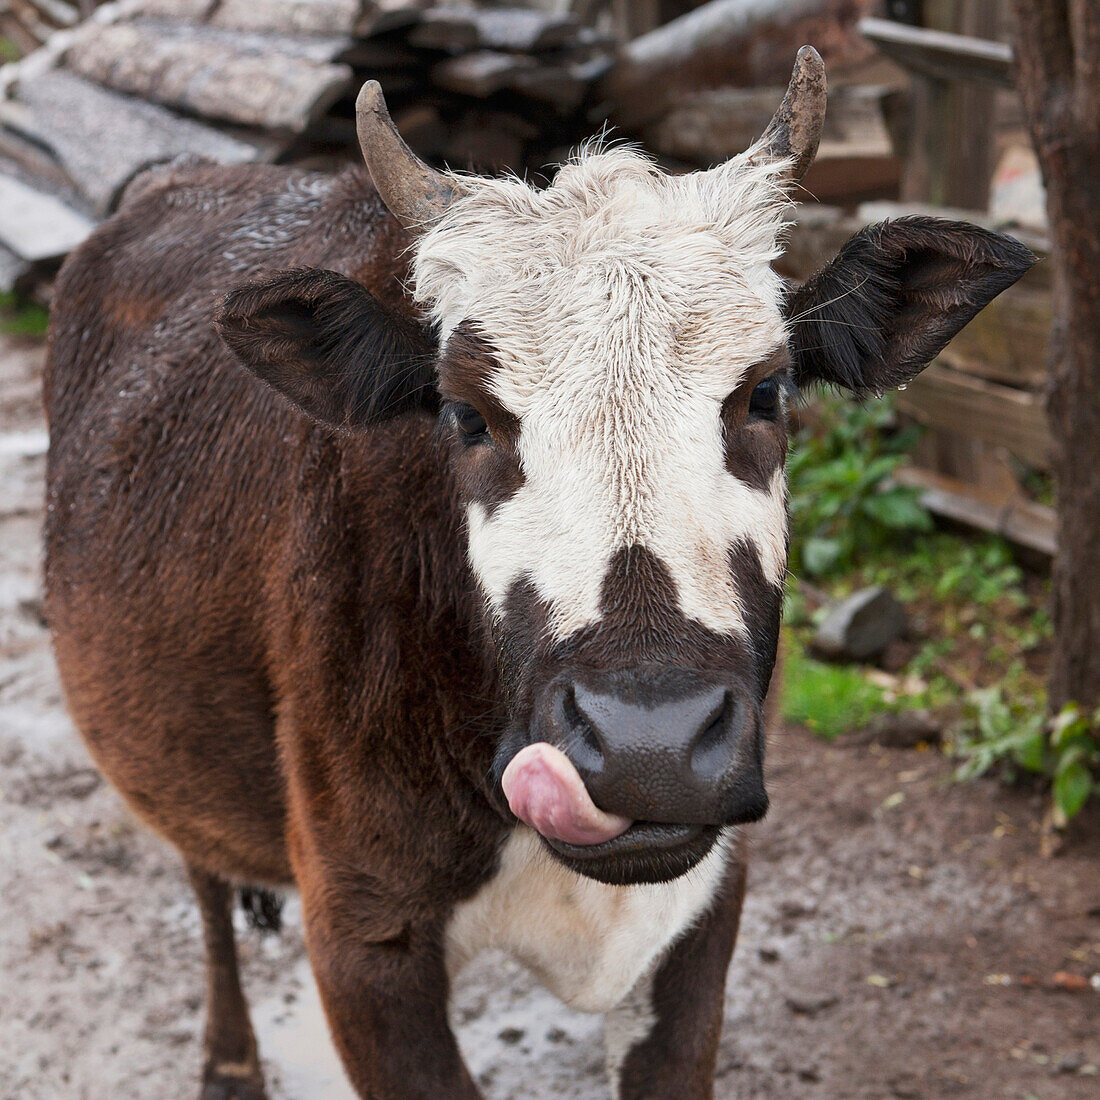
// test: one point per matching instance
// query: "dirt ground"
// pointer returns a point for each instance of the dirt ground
(902, 938)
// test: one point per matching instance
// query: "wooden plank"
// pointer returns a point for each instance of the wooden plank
(58, 12)
(481, 73)
(36, 226)
(986, 468)
(375, 54)
(421, 126)
(840, 176)
(35, 161)
(744, 43)
(562, 86)
(190, 10)
(711, 125)
(485, 72)
(310, 47)
(449, 31)
(209, 74)
(941, 54)
(509, 29)
(950, 400)
(383, 16)
(297, 17)
(1022, 521)
(481, 142)
(102, 139)
(635, 17)
(292, 17)
(522, 31)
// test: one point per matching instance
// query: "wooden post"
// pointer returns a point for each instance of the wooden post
(635, 17)
(951, 148)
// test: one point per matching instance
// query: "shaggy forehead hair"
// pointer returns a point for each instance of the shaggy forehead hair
(623, 305)
(606, 206)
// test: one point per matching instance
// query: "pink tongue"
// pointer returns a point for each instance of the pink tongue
(545, 791)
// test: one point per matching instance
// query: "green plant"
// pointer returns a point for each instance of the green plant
(1075, 745)
(1021, 737)
(19, 318)
(982, 573)
(842, 500)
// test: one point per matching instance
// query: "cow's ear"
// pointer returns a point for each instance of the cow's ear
(330, 348)
(893, 297)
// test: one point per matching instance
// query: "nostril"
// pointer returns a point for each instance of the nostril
(584, 745)
(712, 749)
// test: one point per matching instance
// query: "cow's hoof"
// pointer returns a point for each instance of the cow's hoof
(216, 1086)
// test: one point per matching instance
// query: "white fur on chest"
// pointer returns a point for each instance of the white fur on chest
(586, 942)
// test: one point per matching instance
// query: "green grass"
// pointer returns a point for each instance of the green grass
(828, 699)
(18, 318)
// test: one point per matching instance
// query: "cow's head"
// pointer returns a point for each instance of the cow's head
(615, 358)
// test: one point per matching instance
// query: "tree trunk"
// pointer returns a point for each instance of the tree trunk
(1058, 51)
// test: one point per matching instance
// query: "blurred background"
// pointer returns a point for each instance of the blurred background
(924, 916)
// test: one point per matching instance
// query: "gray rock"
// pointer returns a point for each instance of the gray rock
(904, 730)
(861, 626)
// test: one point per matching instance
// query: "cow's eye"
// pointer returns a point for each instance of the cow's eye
(471, 424)
(764, 401)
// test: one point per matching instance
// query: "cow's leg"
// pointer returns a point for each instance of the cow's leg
(662, 1041)
(384, 988)
(231, 1070)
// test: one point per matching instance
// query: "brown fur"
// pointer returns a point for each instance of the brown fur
(678, 1056)
(272, 674)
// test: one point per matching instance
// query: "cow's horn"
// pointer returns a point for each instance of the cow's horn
(414, 193)
(795, 130)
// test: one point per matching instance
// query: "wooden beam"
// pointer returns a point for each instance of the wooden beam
(210, 72)
(512, 30)
(36, 226)
(294, 17)
(190, 10)
(743, 43)
(941, 54)
(952, 401)
(709, 126)
(481, 73)
(102, 140)
(1021, 521)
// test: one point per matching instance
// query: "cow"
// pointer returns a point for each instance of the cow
(418, 540)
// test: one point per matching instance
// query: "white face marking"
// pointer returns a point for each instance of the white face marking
(624, 306)
(588, 943)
